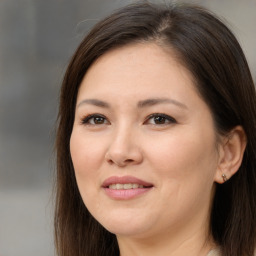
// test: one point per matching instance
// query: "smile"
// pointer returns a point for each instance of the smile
(126, 187)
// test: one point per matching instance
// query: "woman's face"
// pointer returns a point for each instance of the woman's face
(143, 144)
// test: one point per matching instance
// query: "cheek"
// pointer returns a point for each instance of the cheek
(184, 157)
(86, 152)
(185, 167)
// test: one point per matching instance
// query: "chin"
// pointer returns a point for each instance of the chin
(126, 230)
(131, 226)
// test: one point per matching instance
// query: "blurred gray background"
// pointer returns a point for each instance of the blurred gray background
(37, 39)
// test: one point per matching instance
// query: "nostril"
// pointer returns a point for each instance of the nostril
(110, 161)
(120, 162)
(123, 158)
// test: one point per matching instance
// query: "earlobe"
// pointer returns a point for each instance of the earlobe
(231, 151)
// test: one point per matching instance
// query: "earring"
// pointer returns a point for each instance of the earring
(224, 177)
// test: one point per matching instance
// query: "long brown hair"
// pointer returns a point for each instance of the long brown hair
(207, 48)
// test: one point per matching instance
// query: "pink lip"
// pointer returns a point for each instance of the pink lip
(125, 180)
(125, 194)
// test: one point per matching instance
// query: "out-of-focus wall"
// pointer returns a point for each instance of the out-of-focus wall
(37, 38)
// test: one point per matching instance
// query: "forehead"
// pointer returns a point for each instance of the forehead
(137, 67)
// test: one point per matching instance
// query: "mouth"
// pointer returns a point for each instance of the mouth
(126, 187)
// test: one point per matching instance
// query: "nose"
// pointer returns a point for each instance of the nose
(124, 149)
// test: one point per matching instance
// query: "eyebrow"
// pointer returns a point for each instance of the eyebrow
(141, 104)
(95, 102)
(155, 101)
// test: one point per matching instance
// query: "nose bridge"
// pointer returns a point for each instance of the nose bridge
(123, 148)
(122, 140)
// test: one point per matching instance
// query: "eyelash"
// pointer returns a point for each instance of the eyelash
(86, 119)
(164, 116)
(169, 119)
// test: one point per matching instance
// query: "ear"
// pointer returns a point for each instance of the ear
(231, 151)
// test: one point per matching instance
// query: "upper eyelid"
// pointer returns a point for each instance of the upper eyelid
(89, 116)
(161, 114)
(93, 115)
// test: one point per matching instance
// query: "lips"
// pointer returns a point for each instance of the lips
(125, 180)
(126, 187)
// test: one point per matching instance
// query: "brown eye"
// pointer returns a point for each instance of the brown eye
(94, 120)
(98, 120)
(160, 119)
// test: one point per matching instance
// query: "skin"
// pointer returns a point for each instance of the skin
(180, 158)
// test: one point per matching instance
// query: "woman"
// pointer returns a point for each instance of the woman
(156, 138)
